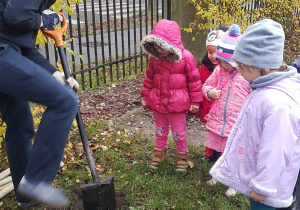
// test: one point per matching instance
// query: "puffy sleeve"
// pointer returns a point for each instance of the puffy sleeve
(193, 80)
(275, 148)
(211, 82)
(148, 81)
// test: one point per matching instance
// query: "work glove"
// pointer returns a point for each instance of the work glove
(60, 77)
(50, 19)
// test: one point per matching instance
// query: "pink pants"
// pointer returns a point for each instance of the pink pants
(177, 121)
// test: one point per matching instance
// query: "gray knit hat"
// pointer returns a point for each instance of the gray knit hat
(261, 45)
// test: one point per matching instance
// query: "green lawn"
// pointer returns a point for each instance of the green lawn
(138, 187)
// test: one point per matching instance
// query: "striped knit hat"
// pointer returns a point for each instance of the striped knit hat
(214, 37)
(227, 44)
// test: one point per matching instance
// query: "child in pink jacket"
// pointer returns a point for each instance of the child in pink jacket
(172, 87)
(228, 90)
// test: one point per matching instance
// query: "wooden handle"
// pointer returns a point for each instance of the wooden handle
(57, 34)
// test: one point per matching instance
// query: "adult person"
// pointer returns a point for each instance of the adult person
(25, 75)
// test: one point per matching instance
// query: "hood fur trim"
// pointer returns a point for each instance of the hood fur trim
(148, 46)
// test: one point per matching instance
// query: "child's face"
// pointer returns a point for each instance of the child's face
(249, 73)
(226, 66)
(211, 53)
(161, 51)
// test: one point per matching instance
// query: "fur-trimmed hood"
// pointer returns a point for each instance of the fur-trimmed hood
(165, 34)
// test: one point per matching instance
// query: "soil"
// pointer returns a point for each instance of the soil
(121, 104)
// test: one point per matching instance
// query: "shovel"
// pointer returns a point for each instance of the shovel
(101, 193)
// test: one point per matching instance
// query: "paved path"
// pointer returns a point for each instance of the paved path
(106, 9)
(88, 45)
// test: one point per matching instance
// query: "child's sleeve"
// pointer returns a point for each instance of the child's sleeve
(193, 81)
(148, 81)
(276, 148)
(211, 82)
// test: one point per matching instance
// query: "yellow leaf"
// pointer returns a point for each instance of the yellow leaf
(70, 144)
(75, 123)
(122, 176)
(191, 164)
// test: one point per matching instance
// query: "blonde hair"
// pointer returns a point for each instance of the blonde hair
(266, 71)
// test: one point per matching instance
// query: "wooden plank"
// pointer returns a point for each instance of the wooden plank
(4, 173)
(5, 180)
(4, 186)
(6, 190)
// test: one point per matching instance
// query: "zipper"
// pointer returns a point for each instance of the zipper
(226, 102)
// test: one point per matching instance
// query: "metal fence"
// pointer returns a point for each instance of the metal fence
(103, 38)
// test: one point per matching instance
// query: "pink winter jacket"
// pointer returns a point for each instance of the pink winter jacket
(172, 83)
(229, 105)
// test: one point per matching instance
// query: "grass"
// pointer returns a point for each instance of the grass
(126, 158)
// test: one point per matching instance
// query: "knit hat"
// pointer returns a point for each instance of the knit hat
(261, 46)
(214, 37)
(227, 44)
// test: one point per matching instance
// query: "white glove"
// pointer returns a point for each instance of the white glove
(60, 77)
(50, 19)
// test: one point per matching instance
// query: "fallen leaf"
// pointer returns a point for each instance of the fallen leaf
(191, 164)
(70, 145)
(103, 147)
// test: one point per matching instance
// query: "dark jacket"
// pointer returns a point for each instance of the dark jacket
(19, 24)
(20, 20)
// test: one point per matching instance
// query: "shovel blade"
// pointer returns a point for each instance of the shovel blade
(99, 195)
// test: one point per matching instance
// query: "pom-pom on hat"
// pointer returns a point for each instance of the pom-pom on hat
(227, 44)
(262, 45)
(214, 37)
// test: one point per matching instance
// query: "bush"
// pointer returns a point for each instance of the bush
(211, 13)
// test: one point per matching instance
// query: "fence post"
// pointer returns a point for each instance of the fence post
(169, 9)
(184, 13)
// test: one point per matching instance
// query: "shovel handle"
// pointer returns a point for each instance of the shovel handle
(57, 34)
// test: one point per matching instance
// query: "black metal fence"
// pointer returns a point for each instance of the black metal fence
(103, 38)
